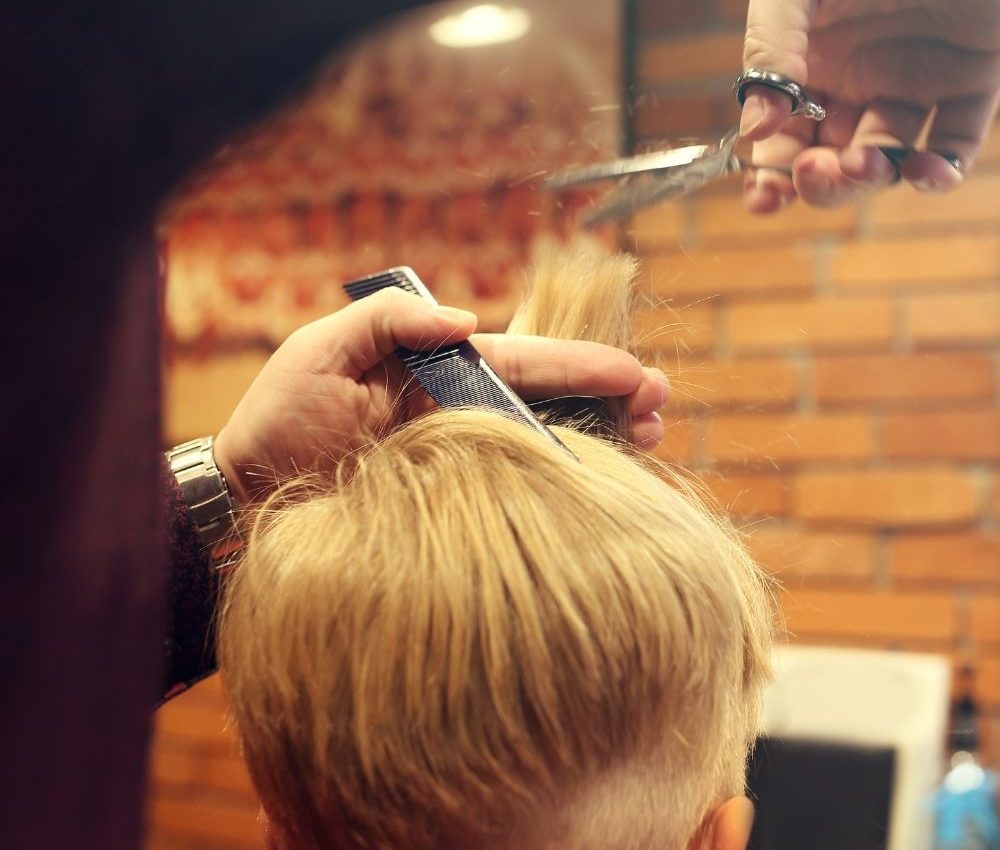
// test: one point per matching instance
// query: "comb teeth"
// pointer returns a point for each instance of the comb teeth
(453, 375)
(402, 277)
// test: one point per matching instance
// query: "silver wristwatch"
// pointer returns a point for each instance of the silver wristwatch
(204, 489)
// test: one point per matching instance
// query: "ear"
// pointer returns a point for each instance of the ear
(726, 827)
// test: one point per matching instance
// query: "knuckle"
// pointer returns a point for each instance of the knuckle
(779, 50)
(758, 48)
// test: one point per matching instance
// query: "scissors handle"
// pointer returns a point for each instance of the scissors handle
(802, 103)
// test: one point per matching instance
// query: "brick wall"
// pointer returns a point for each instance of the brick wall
(836, 385)
(836, 373)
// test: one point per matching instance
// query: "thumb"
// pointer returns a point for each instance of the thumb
(777, 38)
(369, 330)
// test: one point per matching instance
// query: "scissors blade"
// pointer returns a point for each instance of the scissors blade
(625, 166)
(655, 189)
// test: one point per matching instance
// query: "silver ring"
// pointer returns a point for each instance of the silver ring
(802, 104)
(952, 160)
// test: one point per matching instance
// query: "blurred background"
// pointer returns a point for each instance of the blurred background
(835, 372)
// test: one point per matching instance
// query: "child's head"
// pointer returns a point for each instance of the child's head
(471, 640)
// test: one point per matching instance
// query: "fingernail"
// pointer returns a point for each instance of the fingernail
(763, 194)
(853, 161)
(657, 374)
(753, 114)
(457, 315)
(948, 179)
(866, 166)
(818, 183)
(763, 198)
(659, 377)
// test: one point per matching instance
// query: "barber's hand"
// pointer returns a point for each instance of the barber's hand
(334, 383)
(880, 67)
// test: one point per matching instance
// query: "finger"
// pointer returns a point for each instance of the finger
(894, 123)
(765, 110)
(928, 70)
(820, 181)
(766, 190)
(539, 367)
(959, 127)
(888, 123)
(652, 394)
(647, 431)
(366, 332)
(777, 37)
(840, 124)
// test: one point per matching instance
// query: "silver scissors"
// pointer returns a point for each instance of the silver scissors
(653, 178)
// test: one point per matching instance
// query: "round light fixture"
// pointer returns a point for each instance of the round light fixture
(481, 25)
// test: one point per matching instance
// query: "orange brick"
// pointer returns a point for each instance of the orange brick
(712, 55)
(207, 820)
(678, 442)
(664, 119)
(725, 218)
(876, 615)
(674, 331)
(199, 722)
(226, 774)
(961, 317)
(661, 226)
(905, 378)
(733, 10)
(750, 495)
(978, 201)
(770, 383)
(986, 618)
(990, 737)
(896, 498)
(988, 680)
(670, 17)
(736, 272)
(156, 840)
(173, 767)
(954, 558)
(856, 322)
(963, 435)
(990, 152)
(924, 261)
(200, 394)
(769, 438)
(793, 552)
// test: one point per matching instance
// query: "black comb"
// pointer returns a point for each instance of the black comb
(453, 375)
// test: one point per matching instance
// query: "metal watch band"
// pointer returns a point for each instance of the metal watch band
(204, 489)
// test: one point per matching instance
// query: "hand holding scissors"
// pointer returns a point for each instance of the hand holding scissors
(898, 89)
(660, 176)
(916, 74)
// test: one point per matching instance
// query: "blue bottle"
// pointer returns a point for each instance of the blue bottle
(965, 805)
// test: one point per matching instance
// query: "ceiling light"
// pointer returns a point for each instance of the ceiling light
(481, 25)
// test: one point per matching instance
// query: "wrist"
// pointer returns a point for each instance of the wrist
(229, 470)
(205, 490)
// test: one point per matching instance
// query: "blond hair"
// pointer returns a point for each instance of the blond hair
(470, 639)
